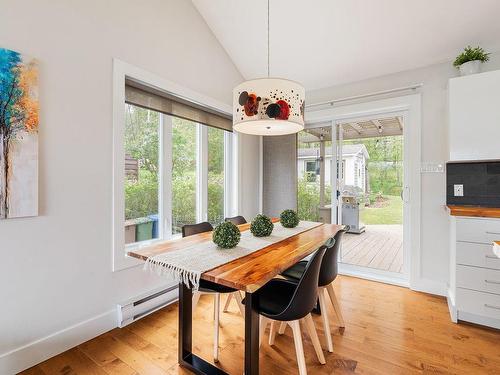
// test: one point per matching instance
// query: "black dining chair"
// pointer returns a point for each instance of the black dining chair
(282, 300)
(236, 220)
(208, 287)
(327, 274)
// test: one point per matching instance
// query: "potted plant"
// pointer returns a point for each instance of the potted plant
(470, 60)
(226, 235)
(261, 226)
(289, 219)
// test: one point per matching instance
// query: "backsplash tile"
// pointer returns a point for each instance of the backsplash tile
(480, 180)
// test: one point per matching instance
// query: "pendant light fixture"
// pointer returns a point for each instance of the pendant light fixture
(268, 106)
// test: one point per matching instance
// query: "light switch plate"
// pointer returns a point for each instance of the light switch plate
(431, 167)
(458, 190)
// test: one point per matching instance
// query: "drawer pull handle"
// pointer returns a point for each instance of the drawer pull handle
(491, 306)
(491, 257)
(488, 232)
(492, 282)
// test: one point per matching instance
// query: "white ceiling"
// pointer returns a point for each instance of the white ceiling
(322, 43)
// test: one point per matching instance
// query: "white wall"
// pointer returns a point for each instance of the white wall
(435, 224)
(250, 174)
(55, 270)
(279, 174)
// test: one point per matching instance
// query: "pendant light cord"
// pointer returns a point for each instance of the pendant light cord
(267, 38)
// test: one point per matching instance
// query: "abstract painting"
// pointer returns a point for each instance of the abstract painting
(18, 135)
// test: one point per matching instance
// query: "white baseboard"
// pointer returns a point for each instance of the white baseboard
(429, 286)
(39, 350)
(373, 276)
(478, 319)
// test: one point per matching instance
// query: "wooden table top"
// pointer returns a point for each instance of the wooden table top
(250, 272)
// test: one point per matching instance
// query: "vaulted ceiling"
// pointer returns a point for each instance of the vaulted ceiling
(322, 43)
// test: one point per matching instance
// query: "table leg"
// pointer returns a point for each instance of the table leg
(186, 357)
(251, 336)
(185, 321)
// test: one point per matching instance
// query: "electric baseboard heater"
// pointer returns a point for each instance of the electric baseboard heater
(146, 304)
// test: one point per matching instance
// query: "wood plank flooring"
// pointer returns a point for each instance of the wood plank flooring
(389, 330)
(380, 247)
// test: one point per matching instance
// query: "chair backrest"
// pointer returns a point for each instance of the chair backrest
(329, 265)
(306, 294)
(237, 220)
(191, 229)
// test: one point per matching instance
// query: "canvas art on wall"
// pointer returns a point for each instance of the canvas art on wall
(18, 135)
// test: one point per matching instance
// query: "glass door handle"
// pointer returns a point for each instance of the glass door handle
(404, 194)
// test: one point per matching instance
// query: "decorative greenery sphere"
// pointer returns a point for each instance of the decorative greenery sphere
(226, 235)
(261, 226)
(289, 219)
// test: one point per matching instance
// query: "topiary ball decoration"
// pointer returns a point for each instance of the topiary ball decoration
(226, 235)
(261, 226)
(289, 219)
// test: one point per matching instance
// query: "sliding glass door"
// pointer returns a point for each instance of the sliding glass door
(352, 173)
(371, 200)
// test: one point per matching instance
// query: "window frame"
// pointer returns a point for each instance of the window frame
(121, 72)
(309, 162)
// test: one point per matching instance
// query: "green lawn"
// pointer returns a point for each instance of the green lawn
(391, 214)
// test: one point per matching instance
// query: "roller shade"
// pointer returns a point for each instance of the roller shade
(155, 100)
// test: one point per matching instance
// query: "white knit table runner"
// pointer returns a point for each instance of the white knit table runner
(186, 265)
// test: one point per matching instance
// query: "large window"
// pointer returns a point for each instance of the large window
(173, 160)
(168, 182)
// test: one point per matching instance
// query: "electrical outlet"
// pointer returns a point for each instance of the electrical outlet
(458, 190)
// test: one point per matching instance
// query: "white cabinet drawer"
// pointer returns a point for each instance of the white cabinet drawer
(482, 279)
(479, 255)
(478, 230)
(478, 303)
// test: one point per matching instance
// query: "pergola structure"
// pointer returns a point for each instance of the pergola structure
(387, 126)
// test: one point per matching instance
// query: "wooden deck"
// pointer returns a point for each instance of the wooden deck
(380, 247)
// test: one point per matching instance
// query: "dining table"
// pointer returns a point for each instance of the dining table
(246, 274)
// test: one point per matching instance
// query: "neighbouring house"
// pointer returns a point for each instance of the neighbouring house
(354, 160)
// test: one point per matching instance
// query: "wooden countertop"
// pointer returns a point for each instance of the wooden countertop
(474, 211)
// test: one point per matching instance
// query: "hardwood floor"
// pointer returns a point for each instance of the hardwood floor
(380, 247)
(389, 330)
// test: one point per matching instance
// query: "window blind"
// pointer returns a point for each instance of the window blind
(150, 98)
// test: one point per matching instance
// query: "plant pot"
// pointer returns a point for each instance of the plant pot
(470, 67)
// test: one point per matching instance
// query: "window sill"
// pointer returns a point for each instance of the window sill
(122, 261)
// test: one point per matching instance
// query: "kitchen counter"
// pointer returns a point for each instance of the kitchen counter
(474, 211)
